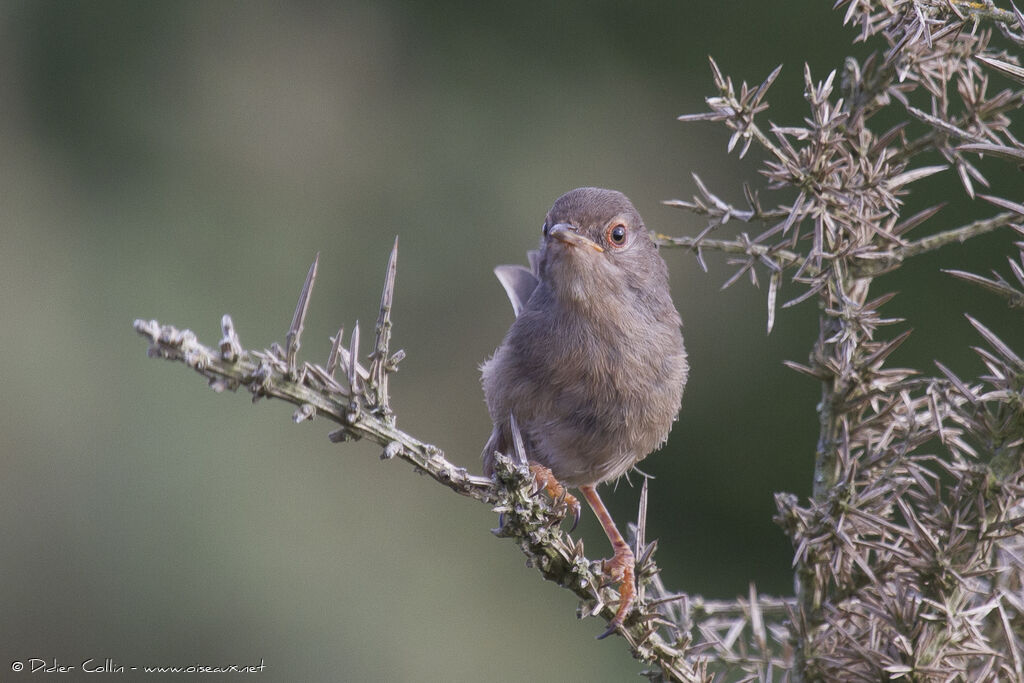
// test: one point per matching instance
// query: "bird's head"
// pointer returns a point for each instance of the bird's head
(595, 245)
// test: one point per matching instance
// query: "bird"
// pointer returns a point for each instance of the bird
(592, 370)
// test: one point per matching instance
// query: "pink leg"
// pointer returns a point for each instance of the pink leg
(620, 567)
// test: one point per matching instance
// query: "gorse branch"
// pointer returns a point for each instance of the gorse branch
(359, 403)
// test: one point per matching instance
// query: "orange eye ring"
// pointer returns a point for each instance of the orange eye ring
(615, 235)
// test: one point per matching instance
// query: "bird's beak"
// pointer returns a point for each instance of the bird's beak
(565, 233)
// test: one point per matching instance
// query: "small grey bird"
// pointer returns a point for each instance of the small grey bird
(593, 368)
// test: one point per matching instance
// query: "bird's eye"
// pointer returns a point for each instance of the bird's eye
(616, 235)
(544, 230)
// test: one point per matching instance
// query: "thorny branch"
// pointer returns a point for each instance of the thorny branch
(359, 403)
(873, 263)
(909, 555)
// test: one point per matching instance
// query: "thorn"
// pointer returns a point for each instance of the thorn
(1011, 71)
(678, 597)
(647, 634)
(653, 618)
(517, 442)
(379, 358)
(645, 552)
(773, 289)
(353, 364)
(757, 619)
(396, 358)
(996, 343)
(327, 382)
(887, 348)
(803, 369)
(641, 518)
(335, 354)
(299, 317)
(230, 346)
(999, 201)
(751, 198)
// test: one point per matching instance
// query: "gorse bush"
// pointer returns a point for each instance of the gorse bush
(908, 555)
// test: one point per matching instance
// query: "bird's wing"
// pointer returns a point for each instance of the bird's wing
(519, 283)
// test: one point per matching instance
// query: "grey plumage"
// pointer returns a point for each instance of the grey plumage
(593, 368)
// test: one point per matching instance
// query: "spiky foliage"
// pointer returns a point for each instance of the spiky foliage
(909, 554)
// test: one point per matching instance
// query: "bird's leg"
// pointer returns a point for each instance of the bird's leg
(619, 568)
(544, 478)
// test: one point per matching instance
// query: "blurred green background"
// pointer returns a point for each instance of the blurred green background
(183, 160)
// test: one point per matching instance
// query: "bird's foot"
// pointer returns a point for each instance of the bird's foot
(565, 502)
(619, 568)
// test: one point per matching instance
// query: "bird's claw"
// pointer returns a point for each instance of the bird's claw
(574, 505)
(565, 502)
(620, 569)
